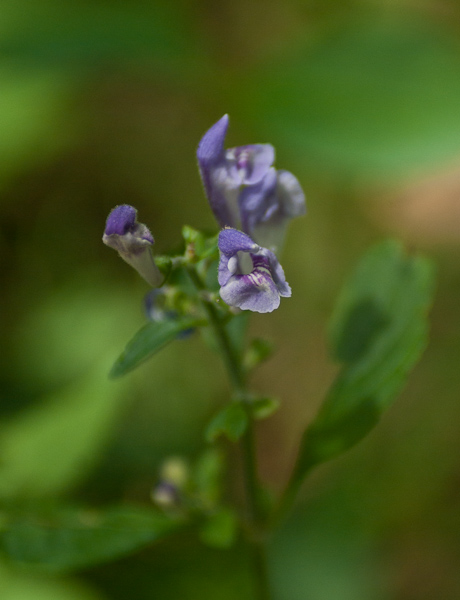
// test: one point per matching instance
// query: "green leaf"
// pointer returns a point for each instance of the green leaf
(259, 350)
(164, 263)
(18, 585)
(150, 339)
(220, 530)
(378, 331)
(231, 421)
(193, 236)
(34, 114)
(68, 539)
(208, 475)
(204, 245)
(262, 408)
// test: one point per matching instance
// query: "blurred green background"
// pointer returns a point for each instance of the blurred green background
(103, 103)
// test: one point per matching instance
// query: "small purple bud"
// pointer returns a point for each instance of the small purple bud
(250, 276)
(132, 241)
(174, 476)
(122, 220)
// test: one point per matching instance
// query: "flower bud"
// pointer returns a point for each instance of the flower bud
(132, 241)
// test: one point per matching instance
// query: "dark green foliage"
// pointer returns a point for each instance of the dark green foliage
(231, 421)
(70, 539)
(378, 331)
(148, 340)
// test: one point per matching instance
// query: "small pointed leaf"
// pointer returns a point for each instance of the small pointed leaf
(262, 408)
(208, 476)
(150, 339)
(221, 528)
(259, 350)
(231, 421)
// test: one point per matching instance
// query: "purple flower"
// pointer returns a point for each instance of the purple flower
(250, 276)
(132, 241)
(245, 191)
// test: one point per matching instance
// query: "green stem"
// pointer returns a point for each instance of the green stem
(234, 367)
(250, 472)
(262, 591)
(237, 378)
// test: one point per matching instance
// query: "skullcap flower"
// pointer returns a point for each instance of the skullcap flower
(250, 276)
(245, 191)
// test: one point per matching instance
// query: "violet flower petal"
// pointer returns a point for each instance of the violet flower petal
(290, 194)
(256, 200)
(267, 207)
(225, 172)
(249, 164)
(211, 161)
(211, 147)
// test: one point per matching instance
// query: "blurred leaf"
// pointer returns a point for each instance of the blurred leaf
(185, 571)
(374, 98)
(72, 351)
(34, 117)
(204, 245)
(69, 539)
(339, 544)
(378, 330)
(208, 475)
(262, 408)
(51, 447)
(164, 263)
(259, 350)
(149, 340)
(220, 529)
(231, 421)
(17, 585)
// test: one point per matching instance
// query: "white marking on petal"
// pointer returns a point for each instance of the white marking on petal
(233, 264)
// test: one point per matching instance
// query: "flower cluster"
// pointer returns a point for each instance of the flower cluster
(248, 195)
(251, 200)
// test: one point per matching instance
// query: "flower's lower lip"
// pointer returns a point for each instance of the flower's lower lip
(249, 280)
